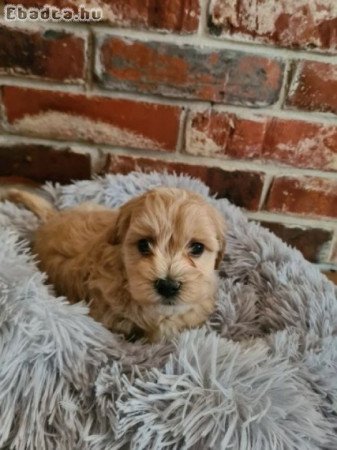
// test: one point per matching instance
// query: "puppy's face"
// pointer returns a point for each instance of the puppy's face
(172, 242)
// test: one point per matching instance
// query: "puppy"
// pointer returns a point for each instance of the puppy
(149, 265)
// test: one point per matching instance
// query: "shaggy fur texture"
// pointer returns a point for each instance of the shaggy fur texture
(261, 375)
(145, 268)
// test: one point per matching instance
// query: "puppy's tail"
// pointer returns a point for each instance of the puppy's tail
(38, 205)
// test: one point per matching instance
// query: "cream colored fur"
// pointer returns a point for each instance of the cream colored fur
(90, 252)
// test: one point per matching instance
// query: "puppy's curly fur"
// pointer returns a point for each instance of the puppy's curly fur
(149, 265)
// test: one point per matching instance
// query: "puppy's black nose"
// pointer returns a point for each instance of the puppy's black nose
(167, 287)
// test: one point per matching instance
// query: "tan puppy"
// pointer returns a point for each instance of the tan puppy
(149, 265)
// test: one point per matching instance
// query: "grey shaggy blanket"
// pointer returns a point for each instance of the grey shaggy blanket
(261, 374)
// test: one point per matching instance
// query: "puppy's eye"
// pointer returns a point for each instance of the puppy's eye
(144, 246)
(196, 248)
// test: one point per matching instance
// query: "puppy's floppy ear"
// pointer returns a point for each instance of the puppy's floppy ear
(120, 227)
(221, 229)
(118, 230)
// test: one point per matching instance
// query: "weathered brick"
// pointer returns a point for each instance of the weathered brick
(240, 187)
(309, 241)
(190, 72)
(166, 15)
(213, 133)
(293, 142)
(306, 196)
(301, 144)
(41, 163)
(314, 87)
(90, 118)
(51, 54)
(295, 24)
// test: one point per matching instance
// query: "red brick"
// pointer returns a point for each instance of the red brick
(41, 163)
(287, 23)
(306, 195)
(309, 241)
(90, 118)
(241, 188)
(301, 144)
(190, 72)
(293, 142)
(51, 54)
(212, 133)
(167, 15)
(314, 87)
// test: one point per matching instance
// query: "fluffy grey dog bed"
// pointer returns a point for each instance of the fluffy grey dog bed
(262, 374)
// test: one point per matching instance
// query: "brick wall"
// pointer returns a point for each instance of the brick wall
(241, 93)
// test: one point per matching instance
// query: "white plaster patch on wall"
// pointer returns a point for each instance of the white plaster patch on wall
(329, 73)
(198, 143)
(261, 16)
(318, 185)
(66, 126)
(313, 148)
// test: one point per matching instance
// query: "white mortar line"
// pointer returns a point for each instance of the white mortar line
(265, 189)
(89, 61)
(81, 30)
(333, 246)
(317, 117)
(97, 66)
(324, 251)
(94, 153)
(181, 134)
(223, 163)
(41, 84)
(294, 82)
(285, 84)
(210, 42)
(203, 17)
(290, 220)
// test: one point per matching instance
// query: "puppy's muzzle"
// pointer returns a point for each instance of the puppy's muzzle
(167, 288)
